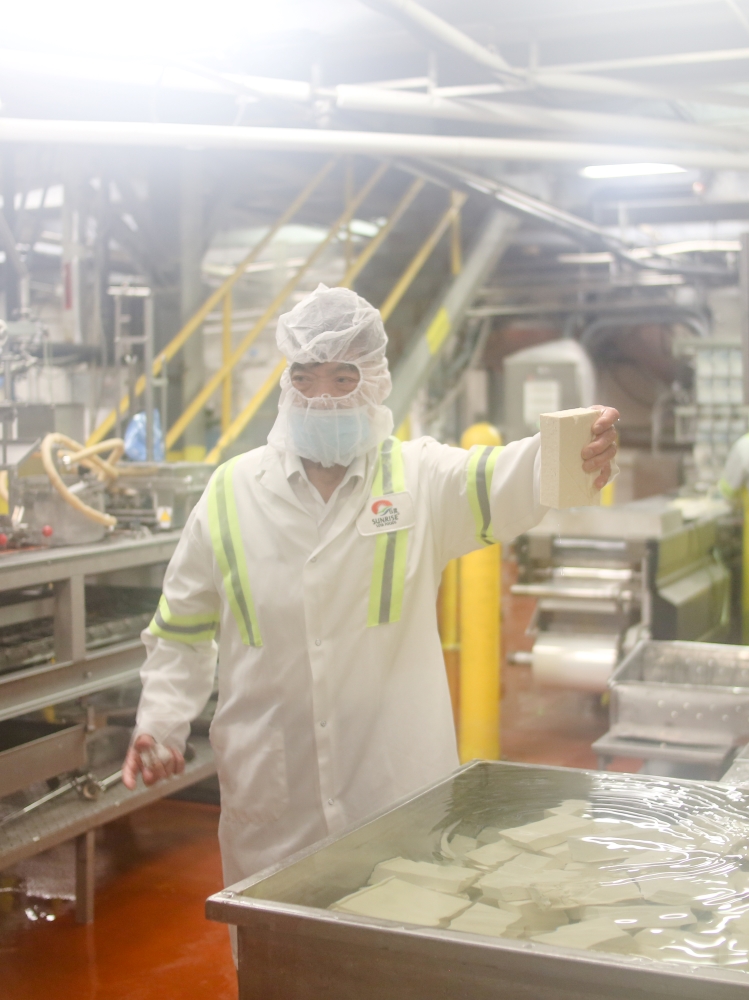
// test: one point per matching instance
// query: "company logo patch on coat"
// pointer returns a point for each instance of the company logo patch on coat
(392, 512)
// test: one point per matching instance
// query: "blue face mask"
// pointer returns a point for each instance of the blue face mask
(330, 437)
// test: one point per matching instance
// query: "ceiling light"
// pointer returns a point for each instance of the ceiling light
(631, 170)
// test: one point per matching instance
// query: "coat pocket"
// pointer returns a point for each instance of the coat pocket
(252, 774)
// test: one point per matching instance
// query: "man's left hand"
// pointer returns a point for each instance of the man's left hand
(601, 451)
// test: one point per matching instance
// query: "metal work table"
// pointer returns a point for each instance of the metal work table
(73, 817)
(75, 671)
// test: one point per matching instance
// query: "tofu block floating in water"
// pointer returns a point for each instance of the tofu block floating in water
(492, 855)
(488, 835)
(596, 935)
(685, 891)
(442, 878)
(564, 434)
(594, 851)
(504, 887)
(525, 863)
(490, 920)
(569, 807)
(394, 899)
(634, 917)
(546, 832)
(680, 946)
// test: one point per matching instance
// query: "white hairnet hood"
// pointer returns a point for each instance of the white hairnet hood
(333, 325)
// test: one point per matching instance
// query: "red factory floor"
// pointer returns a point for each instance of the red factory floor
(150, 940)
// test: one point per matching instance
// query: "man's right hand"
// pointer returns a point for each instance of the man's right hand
(154, 761)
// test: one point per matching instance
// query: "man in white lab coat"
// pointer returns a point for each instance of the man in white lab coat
(317, 560)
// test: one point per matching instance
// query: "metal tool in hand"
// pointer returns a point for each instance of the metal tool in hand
(86, 785)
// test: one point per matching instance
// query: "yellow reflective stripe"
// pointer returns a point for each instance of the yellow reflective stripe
(223, 522)
(727, 490)
(182, 628)
(391, 548)
(480, 472)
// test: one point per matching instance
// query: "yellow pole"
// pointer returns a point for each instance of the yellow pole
(225, 354)
(745, 569)
(480, 608)
(456, 253)
(213, 299)
(404, 282)
(238, 424)
(450, 633)
(175, 431)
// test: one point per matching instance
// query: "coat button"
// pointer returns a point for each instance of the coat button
(330, 802)
(318, 642)
(323, 724)
(313, 559)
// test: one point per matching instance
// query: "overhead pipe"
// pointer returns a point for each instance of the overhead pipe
(350, 97)
(270, 139)
(442, 31)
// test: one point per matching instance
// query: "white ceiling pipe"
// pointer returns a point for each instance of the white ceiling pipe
(449, 35)
(251, 138)
(351, 97)
(646, 62)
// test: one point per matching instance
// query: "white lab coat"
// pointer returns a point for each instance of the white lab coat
(329, 720)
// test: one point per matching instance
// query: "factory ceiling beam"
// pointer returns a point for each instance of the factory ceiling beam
(435, 27)
(390, 100)
(270, 139)
(653, 62)
(350, 97)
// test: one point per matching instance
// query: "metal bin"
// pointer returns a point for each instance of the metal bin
(291, 946)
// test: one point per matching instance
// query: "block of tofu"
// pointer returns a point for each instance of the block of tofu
(647, 861)
(608, 893)
(504, 887)
(680, 946)
(535, 918)
(635, 917)
(394, 899)
(460, 845)
(546, 832)
(444, 878)
(525, 863)
(559, 851)
(569, 807)
(492, 855)
(595, 849)
(685, 890)
(490, 920)
(563, 436)
(595, 935)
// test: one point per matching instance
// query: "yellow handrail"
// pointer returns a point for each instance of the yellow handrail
(420, 258)
(376, 242)
(213, 299)
(239, 423)
(401, 287)
(225, 353)
(216, 379)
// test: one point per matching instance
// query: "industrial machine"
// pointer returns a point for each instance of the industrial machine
(335, 921)
(606, 577)
(85, 538)
(683, 707)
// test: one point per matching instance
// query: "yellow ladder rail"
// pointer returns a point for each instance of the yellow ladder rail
(215, 380)
(422, 255)
(198, 318)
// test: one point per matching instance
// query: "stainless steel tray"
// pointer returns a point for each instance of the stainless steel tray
(694, 693)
